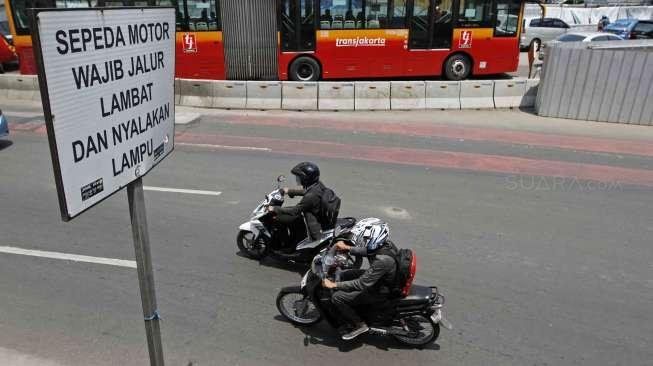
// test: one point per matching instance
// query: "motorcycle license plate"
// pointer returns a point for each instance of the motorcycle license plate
(304, 280)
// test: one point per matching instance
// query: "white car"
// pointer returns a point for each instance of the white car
(588, 37)
(537, 31)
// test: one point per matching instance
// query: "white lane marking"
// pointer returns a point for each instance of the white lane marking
(185, 191)
(68, 257)
(224, 147)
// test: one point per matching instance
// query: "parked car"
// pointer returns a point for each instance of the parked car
(631, 28)
(539, 30)
(7, 53)
(4, 125)
(588, 37)
(579, 37)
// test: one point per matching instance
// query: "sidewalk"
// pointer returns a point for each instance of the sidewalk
(514, 120)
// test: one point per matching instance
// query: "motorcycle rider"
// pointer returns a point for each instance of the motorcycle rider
(368, 238)
(307, 175)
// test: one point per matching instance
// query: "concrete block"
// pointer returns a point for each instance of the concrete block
(177, 91)
(263, 95)
(37, 90)
(476, 94)
(301, 96)
(23, 87)
(4, 85)
(442, 95)
(528, 100)
(230, 94)
(336, 96)
(509, 93)
(196, 93)
(408, 95)
(373, 95)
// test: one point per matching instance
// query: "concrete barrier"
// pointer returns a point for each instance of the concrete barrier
(442, 95)
(476, 94)
(301, 96)
(263, 95)
(509, 93)
(4, 85)
(196, 93)
(528, 101)
(374, 95)
(230, 95)
(335, 96)
(407, 95)
(24, 87)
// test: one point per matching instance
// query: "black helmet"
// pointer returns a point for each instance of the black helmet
(307, 173)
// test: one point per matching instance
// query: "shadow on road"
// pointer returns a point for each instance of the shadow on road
(279, 264)
(5, 144)
(323, 334)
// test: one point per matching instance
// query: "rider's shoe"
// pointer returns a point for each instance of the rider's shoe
(359, 329)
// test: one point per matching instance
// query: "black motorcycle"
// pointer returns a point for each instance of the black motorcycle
(413, 320)
(260, 237)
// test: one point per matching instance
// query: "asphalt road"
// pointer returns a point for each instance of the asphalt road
(539, 268)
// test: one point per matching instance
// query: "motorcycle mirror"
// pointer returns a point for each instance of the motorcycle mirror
(281, 178)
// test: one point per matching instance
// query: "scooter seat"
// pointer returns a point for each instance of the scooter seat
(418, 295)
(346, 222)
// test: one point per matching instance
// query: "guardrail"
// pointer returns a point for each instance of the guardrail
(328, 95)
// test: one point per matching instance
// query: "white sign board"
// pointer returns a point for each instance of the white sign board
(107, 83)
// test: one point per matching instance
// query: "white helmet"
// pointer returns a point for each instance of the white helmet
(371, 233)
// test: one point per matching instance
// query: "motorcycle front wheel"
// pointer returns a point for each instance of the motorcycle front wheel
(296, 307)
(421, 331)
(248, 245)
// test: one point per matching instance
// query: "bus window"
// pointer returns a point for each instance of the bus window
(419, 25)
(338, 14)
(442, 24)
(475, 14)
(397, 14)
(307, 28)
(376, 14)
(507, 18)
(202, 15)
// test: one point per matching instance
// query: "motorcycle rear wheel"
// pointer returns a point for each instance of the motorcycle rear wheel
(423, 331)
(297, 308)
(248, 246)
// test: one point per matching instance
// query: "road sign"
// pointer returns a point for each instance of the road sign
(107, 84)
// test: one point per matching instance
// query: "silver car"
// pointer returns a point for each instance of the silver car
(539, 30)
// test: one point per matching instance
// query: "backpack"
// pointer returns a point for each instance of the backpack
(329, 208)
(406, 262)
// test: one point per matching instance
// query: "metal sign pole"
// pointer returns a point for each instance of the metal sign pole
(145, 274)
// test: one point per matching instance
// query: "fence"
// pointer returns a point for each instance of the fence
(598, 81)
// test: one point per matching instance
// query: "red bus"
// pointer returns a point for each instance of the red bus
(307, 40)
(196, 16)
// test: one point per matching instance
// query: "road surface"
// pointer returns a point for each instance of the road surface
(536, 230)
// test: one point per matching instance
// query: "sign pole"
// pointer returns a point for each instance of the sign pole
(144, 267)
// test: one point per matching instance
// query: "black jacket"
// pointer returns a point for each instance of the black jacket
(309, 206)
(378, 278)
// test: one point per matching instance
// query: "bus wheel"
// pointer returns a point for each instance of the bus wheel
(457, 67)
(305, 69)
